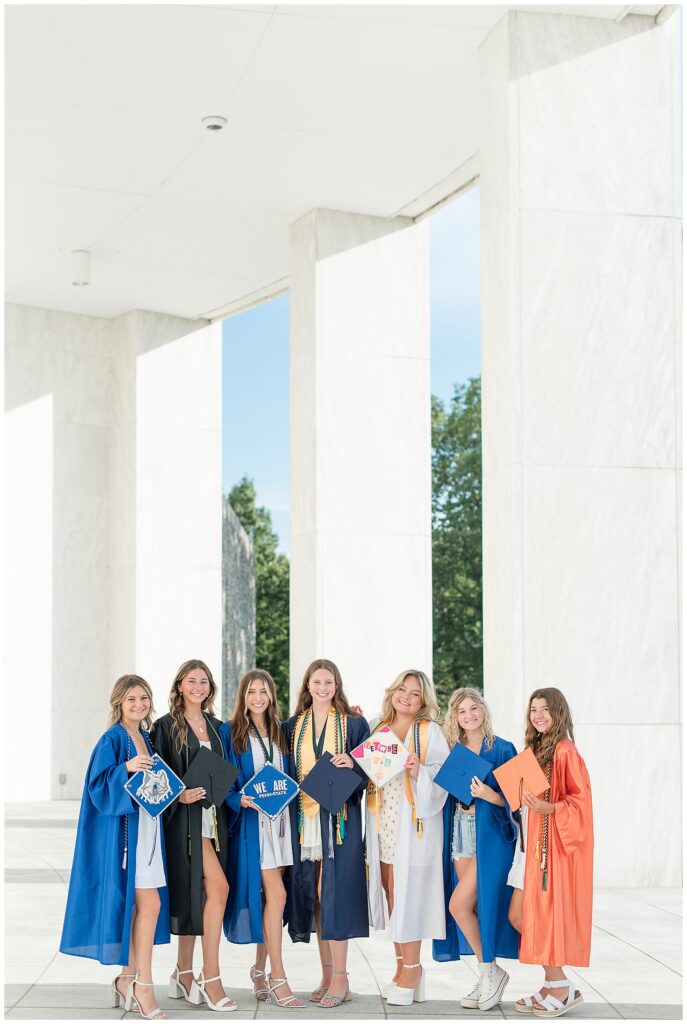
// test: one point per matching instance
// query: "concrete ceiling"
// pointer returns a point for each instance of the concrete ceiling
(368, 109)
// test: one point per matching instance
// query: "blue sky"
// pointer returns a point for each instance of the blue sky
(255, 361)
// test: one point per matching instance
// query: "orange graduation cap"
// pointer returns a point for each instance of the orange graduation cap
(519, 774)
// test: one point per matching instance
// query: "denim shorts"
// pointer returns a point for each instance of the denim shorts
(464, 835)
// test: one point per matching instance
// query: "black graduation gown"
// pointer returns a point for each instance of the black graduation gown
(343, 911)
(184, 872)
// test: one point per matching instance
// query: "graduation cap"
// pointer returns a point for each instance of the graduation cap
(457, 771)
(271, 789)
(328, 785)
(155, 788)
(519, 774)
(212, 773)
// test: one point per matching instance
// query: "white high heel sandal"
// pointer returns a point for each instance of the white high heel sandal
(198, 994)
(390, 984)
(176, 990)
(132, 1004)
(117, 998)
(399, 996)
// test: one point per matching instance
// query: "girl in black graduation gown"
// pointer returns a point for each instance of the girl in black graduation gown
(196, 851)
(327, 892)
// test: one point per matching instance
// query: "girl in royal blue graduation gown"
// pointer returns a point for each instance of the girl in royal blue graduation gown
(117, 900)
(477, 914)
(324, 720)
(260, 849)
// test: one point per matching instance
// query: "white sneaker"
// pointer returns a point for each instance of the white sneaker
(494, 981)
(471, 1000)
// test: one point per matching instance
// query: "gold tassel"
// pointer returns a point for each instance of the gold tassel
(214, 827)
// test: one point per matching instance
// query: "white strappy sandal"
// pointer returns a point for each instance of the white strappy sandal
(527, 1004)
(176, 990)
(198, 994)
(261, 994)
(390, 984)
(117, 998)
(291, 1002)
(554, 1007)
(398, 995)
(132, 1005)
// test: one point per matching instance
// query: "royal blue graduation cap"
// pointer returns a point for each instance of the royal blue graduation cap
(457, 771)
(328, 785)
(212, 773)
(155, 788)
(272, 790)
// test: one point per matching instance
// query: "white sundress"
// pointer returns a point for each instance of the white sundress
(150, 869)
(275, 836)
(516, 875)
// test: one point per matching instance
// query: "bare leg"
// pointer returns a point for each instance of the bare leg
(323, 945)
(143, 935)
(463, 903)
(339, 982)
(410, 976)
(272, 926)
(515, 910)
(387, 872)
(216, 893)
(130, 969)
(260, 984)
(185, 947)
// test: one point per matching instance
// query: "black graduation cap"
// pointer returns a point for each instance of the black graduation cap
(212, 773)
(328, 785)
(455, 774)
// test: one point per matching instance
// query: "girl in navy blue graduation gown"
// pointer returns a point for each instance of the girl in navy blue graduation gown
(478, 852)
(259, 848)
(117, 905)
(328, 890)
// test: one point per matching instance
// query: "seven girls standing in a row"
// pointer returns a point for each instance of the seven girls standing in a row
(431, 867)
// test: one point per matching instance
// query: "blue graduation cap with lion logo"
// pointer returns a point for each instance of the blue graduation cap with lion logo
(271, 789)
(155, 788)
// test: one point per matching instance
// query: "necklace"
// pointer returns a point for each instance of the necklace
(201, 728)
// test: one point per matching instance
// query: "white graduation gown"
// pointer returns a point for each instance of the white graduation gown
(419, 911)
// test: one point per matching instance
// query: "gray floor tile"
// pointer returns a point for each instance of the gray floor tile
(649, 1011)
(63, 1013)
(585, 1011)
(13, 993)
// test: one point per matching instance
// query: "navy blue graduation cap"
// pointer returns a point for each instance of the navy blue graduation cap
(212, 773)
(155, 788)
(272, 790)
(328, 785)
(457, 771)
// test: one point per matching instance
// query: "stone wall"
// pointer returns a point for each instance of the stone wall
(238, 605)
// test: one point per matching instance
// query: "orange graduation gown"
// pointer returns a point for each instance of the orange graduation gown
(557, 922)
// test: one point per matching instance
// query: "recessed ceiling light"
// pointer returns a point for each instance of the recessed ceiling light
(80, 266)
(214, 122)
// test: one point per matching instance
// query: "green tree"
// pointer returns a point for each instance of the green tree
(271, 588)
(457, 539)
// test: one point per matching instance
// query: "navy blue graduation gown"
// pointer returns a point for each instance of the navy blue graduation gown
(495, 847)
(343, 910)
(243, 913)
(97, 920)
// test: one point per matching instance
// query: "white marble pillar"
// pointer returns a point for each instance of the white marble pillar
(360, 450)
(580, 202)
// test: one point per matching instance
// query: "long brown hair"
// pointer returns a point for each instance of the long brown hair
(544, 744)
(429, 707)
(454, 731)
(119, 692)
(240, 717)
(339, 701)
(176, 701)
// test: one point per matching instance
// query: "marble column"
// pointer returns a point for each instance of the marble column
(360, 450)
(580, 184)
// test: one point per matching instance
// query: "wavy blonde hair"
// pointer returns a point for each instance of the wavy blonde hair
(119, 692)
(543, 744)
(176, 701)
(429, 707)
(453, 730)
(240, 717)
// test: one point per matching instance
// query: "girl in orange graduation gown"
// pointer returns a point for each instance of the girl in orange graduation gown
(554, 910)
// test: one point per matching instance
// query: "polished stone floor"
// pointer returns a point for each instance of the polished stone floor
(635, 972)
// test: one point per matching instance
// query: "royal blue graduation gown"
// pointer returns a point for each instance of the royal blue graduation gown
(243, 913)
(495, 846)
(97, 920)
(343, 909)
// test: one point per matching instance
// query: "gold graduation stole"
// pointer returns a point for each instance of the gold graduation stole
(303, 754)
(419, 746)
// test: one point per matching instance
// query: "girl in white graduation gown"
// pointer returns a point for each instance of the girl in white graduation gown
(405, 834)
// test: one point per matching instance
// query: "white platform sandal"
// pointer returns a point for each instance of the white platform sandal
(176, 990)
(198, 994)
(132, 1004)
(554, 1007)
(400, 996)
(390, 984)
(527, 1004)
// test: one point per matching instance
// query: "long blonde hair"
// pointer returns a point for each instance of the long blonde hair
(339, 700)
(429, 707)
(240, 717)
(544, 744)
(176, 701)
(119, 692)
(453, 730)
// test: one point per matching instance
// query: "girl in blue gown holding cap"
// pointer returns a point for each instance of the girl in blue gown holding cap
(117, 905)
(259, 848)
(478, 852)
